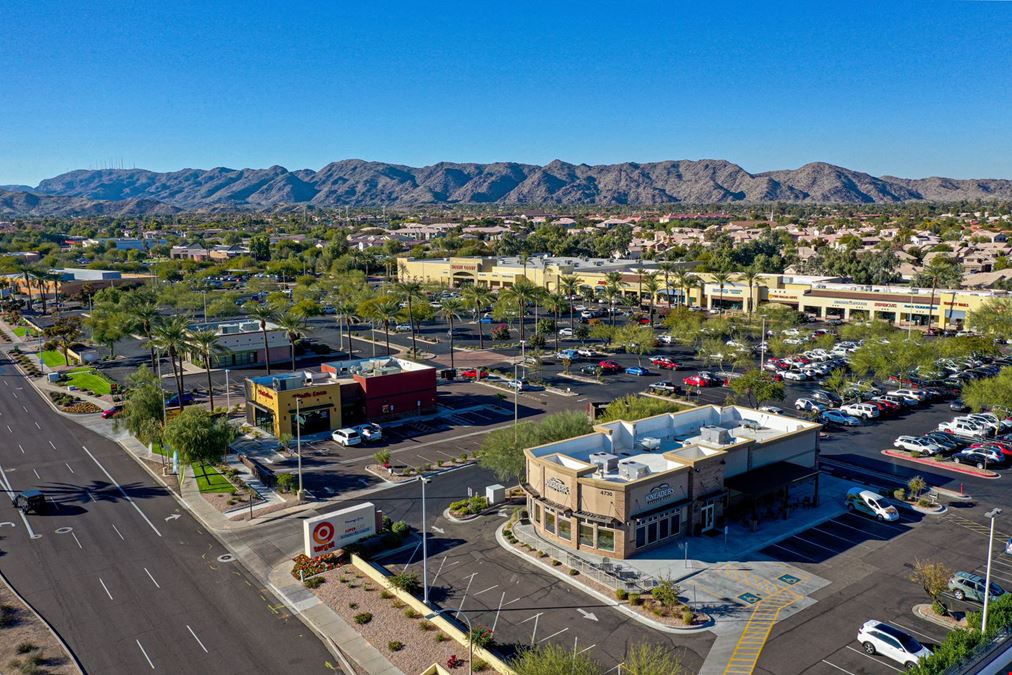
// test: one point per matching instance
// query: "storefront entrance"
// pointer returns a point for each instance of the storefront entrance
(708, 517)
(316, 420)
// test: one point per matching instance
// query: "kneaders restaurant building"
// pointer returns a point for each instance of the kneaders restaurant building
(629, 486)
(340, 394)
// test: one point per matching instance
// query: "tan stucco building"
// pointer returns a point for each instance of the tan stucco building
(629, 486)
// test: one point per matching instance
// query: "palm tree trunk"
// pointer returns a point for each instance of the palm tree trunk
(521, 308)
(411, 320)
(481, 335)
(292, 347)
(931, 304)
(556, 313)
(210, 386)
(572, 320)
(351, 346)
(177, 378)
(267, 349)
(386, 331)
(451, 343)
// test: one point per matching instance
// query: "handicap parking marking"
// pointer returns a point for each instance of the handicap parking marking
(789, 579)
(750, 598)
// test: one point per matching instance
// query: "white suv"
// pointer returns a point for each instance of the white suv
(881, 638)
(863, 410)
(346, 437)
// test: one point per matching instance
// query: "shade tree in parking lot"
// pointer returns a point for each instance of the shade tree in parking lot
(941, 271)
(994, 393)
(684, 325)
(477, 298)
(411, 293)
(993, 318)
(757, 387)
(502, 451)
(450, 311)
(933, 577)
(385, 310)
(893, 357)
(868, 330)
(636, 339)
(204, 343)
(779, 317)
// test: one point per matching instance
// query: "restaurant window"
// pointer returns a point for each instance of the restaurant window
(537, 513)
(662, 528)
(676, 523)
(565, 529)
(652, 532)
(605, 539)
(586, 535)
(641, 536)
(549, 521)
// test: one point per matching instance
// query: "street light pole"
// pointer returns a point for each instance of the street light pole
(298, 441)
(516, 402)
(228, 394)
(425, 548)
(203, 294)
(992, 514)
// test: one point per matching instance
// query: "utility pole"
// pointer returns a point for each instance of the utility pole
(991, 515)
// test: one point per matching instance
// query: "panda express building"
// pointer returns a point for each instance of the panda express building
(629, 486)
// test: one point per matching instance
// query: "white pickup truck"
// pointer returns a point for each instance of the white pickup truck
(963, 428)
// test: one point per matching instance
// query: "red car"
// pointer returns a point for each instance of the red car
(610, 367)
(665, 362)
(474, 373)
(698, 381)
(112, 412)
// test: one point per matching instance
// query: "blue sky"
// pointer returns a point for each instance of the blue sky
(902, 88)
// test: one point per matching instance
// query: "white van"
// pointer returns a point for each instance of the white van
(871, 503)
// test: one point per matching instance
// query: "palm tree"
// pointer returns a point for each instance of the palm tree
(170, 336)
(749, 276)
(522, 293)
(941, 271)
(570, 285)
(294, 324)
(205, 343)
(683, 281)
(450, 310)
(26, 274)
(652, 285)
(410, 291)
(555, 303)
(612, 293)
(264, 314)
(387, 309)
(477, 298)
(721, 279)
(344, 310)
(145, 313)
(667, 268)
(696, 280)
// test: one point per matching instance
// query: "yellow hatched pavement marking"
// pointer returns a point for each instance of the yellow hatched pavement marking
(974, 526)
(757, 630)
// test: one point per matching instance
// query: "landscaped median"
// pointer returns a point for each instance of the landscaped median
(27, 644)
(941, 464)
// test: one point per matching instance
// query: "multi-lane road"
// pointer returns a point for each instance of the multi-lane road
(130, 580)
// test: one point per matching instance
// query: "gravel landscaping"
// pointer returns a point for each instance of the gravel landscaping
(26, 645)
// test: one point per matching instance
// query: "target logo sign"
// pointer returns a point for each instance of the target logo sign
(323, 537)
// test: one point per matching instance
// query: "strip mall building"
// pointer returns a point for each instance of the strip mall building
(630, 486)
(340, 394)
(824, 297)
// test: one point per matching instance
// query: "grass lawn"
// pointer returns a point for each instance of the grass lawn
(213, 482)
(20, 331)
(89, 380)
(53, 358)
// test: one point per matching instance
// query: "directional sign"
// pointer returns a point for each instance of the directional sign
(586, 614)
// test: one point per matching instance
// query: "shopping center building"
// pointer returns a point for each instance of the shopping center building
(340, 394)
(630, 486)
(824, 297)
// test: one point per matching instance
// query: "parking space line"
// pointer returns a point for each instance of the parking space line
(586, 649)
(836, 536)
(441, 563)
(494, 622)
(857, 529)
(793, 552)
(869, 656)
(914, 630)
(553, 635)
(833, 665)
(470, 580)
(485, 590)
(812, 543)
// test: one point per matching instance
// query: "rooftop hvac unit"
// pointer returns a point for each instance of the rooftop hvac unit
(715, 435)
(604, 461)
(650, 443)
(632, 470)
(229, 329)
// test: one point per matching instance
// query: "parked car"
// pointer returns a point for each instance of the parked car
(957, 405)
(700, 380)
(795, 375)
(665, 388)
(978, 457)
(174, 400)
(637, 370)
(948, 441)
(610, 366)
(567, 355)
(963, 428)
(566, 332)
(860, 500)
(823, 396)
(865, 411)
(518, 384)
(403, 328)
(346, 437)
(112, 412)
(474, 373)
(881, 638)
(834, 416)
(370, 432)
(968, 586)
(921, 444)
(806, 404)
(664, 362)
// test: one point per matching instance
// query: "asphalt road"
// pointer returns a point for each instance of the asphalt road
(128, 579)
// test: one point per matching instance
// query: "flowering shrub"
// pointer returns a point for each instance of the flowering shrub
(310, 566)
(480, 636)
(454, 662)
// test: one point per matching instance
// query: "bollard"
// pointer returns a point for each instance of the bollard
(961, 493)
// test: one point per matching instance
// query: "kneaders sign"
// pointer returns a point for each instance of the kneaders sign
(329, 532)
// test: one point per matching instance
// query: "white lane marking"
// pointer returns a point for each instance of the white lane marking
(833, 665)
(417, 546)
(532, 617)
(511, 602)
(106, 588)
(553, 635)
(793, 552)
(486, 589)
(441, 563)
(25, 409)
(15, 394)
(587, 649)
(197, 639)
(914, 630)
(148, 658)
(24, 518)
(122, 491)
(862, 653)
(37, 426)
(74, 535)
(836, 536)
(21, 449)
(470, 579)
(153, 581)
(36, 472)
(9, 429)
(118, 532)
(51, 445)
(498, 610)
(70, 467)
(812, 543)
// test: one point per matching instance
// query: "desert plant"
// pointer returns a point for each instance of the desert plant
(932, 576)
(363, 618)
(411, 613)
(900, 494)
(621, 594)
(480, 636)
(395, 645)
(666, 593)
(635, 599)
(25, 647)
(917, 485)
(405, 581)
(426, 625)
(382, 457)
(314, 582)
(441, 637)
(386, 595)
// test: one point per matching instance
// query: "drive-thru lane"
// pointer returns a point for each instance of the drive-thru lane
(130, 581)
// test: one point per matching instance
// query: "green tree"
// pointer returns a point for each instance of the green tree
(521, 294)
(569, 286)
(204, 343)
(502, 451)
(64, 331)
(758, 387)
(932, 576)
(170, 335)
(260, 247)
(295, 325)
(477, 298)
(109, 326)
(636, 339)
(684, 325)
(143, 406)
(993, 318)
(721, 279)
(651, 285)
(411, 291)
(450, 310)
(940, 272)
(554, 659)
(990, 393)
(263, 314)
(198, 436)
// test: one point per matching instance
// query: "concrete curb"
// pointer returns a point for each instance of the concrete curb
(924, 611)
(66, 648)
(965, 470)
(611, 602)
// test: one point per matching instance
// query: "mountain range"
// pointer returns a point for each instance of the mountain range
(355, 182)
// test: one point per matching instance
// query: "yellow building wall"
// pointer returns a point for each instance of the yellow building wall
(282, 403)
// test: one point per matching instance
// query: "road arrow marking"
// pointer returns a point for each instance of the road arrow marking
(172, 517)
(7, 523)
(586, 614)
(438, 529)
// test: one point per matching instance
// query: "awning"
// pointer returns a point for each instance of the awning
(769, 478)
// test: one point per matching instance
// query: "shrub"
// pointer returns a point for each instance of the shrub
(687, 615)
(666, 593)
(621, 594)
(426, 625)
(635, 599)
(573, 572)
(313, 566)
(441, 637)
(363, 618)
(938, 608)
(924, 502)
(353, 605)
(400, 528)
(25, 647)
(479, 666)
(480, 636)
(8, 616)
(382, 457)
(411, 613)
(556, 563)
(471, 506)
(314, 582)
(405, 581)
(900, 494)
(395, 645)
(285, 482)
(386, 595)
(396, 604)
